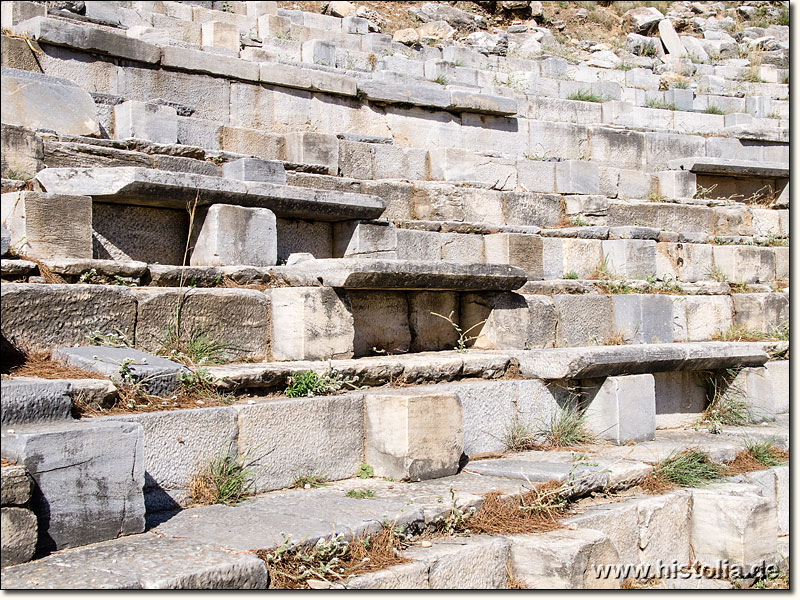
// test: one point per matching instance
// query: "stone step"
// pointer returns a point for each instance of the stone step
(149, 187)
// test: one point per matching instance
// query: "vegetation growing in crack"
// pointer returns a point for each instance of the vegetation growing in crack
(307, 384)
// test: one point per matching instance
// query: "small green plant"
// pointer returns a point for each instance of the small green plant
(441, 80)
(660, 104)
(118, 339)
(361, 494)
(727, 404)
(649, 51)
(585, 96)
(571, 275)
(463, 335)
(688, 468)
(714, 110)
(520, 437)
(307, 384)
(579, 222)
(567, 427)
(717, 274)
(680, 85)
(365, 471)
(17, 175)
(201, 385)
(228, 479)
(310, 480)
(765, 452)
(194, 348)
(774, 115)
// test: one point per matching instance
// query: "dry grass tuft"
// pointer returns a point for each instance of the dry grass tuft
(38, 364)
(334, 560)
(654, 486)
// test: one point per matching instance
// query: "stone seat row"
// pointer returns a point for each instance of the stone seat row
(319, 322)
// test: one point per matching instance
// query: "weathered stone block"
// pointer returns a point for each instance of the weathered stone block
(313, 149)
(295, 437)
(503, 321)
(477, 562)
(623, 409)
(706, 316)
(567, 255)
(738, 527)
(220, 35)
(761, 312)
(536, 175)
(563, 559)
(35, 100)
(583, 320)
(664, 528)
(683, 261)
(745, 264)
(680, 397)
(630, 258)
(237, 319)
(518, 250)
(41, 317)
(16, 486)
(22, 151)
(34, 232)
(782, 498)
(319, 52)
(147, 121)
(255, 169)
(643, 318)
(778, 373)
(576, 177)
(19, 534)
(380, 322)
(28, 400)
(528, 208)
(236, 235)
(89, 478)
(429, 332)
(311, 323)
(413, 436)
(677, 184)
(753, 386)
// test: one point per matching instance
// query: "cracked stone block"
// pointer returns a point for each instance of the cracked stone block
(413, 436)
(147, 121)
(28, 216)
(622, 409)
(566, 255)
(15, 485)
(236, 235)
(19, 527)
(664, 528)
(311, 323)
(89, 477)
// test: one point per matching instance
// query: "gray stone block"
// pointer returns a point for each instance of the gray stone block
(380, 322)
(413, 436)
(429, 332)
(28, 216)
(643, 318)
(255, 169)
(236, 235)
(310, 148)
(680, 397)
(145, 120)
(35, 100)
(577, 177)
(207, 62)
(42, 317)
(583, 320)
(5, 241)
(89, 478)
(145, 561)
(158, 376)
(630, 258)
(622, 409)
(476, 562)
(392, 93)
(778, 373)
(15, 486)
(289, 438)
(19, 535)
(29, 400)
(518, 250)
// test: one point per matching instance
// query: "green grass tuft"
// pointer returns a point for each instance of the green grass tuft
(361, 494)
(766, 452)
(585, 96)
(688, 468)
(567, 428)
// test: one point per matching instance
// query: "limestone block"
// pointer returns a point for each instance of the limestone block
(782, 498)
(313, 323)
(34, 100)
(16, 487)
(455, 164)
(761, 312)
(583, 320)
(429, 332)
(567, 255)
(266, 146)
(153, 235)
(380, 321)
(34, 232)
(294, 236)
(643, 318)
(237, 319)
(745, 264)
(706, 316)
(528, 208)
(19, 527)
(368, 240)
(147, 121)
(178, 445)
(753, 386)
(352, 24)
(664, 528)
(408, 576)
(680, 397)
(313, 149)
(462, 248)
(22, 151)
(89, 478)
(255, 169)
(576, 177)
(274, 26)
(622, 409)
(739, 528)
(630, 258)
(677, 184)
(781, 262)
(617, 148)
(563, 559)
(778, 373)
(294, 437)
(617, 520)
(236, 235)
(319, 52)
(413, 436)
(568, 141)
(663, 147)
(516, 249)
(507, 321)
(27, 400)
(536, 175)
(41, 317)
(683, 261)
(17, 12)
(220, 35)
(476, 562)
(258, 9)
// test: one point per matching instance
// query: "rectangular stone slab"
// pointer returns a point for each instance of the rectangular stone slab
(167, 189)
(601, 361)
(728, 166)
(409, 275)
